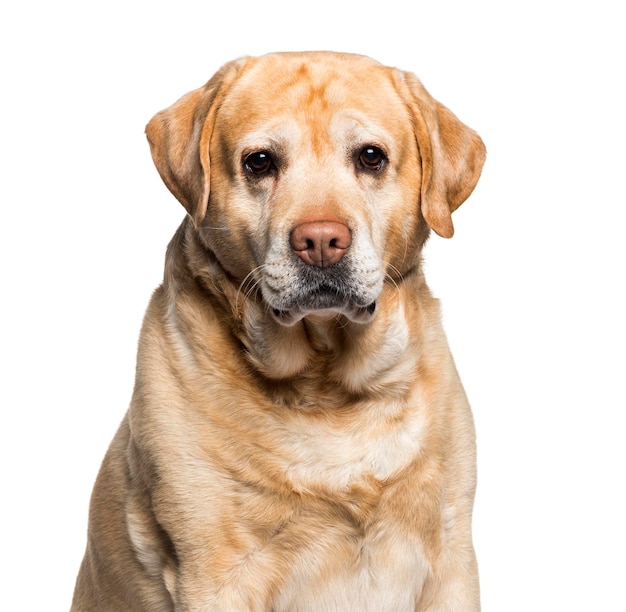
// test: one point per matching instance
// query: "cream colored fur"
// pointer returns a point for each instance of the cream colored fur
(290, 448)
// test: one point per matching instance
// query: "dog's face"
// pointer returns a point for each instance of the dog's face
(315, 177)
(315, 174)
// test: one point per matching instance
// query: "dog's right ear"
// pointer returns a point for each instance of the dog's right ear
(452, 155)
(179, 141)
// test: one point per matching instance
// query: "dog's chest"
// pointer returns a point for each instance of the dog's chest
(358, 549)
(382, 571)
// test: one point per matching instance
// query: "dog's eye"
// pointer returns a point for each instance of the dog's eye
(259, 163)
(372, 158)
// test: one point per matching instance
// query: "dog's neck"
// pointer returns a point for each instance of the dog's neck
(322, 349)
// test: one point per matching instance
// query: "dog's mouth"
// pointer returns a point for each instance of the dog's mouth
(356, 314)
(323, 299)
(324, 292)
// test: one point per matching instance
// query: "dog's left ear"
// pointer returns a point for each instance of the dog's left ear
(179, 141)
(452, 155)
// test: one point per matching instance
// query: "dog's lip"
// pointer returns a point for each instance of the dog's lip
(336, 290)
(356, 314)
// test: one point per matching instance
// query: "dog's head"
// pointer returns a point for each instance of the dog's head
(314, 177)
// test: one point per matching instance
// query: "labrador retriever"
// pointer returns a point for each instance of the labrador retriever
(298, 436)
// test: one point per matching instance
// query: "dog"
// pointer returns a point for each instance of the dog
(298, 436)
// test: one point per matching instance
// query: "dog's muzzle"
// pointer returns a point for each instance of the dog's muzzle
(333, 289)
(323, 272)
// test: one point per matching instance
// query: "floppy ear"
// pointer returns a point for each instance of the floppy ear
(179, 141)
(452, 156)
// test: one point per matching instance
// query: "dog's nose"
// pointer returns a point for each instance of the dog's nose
(320, 243)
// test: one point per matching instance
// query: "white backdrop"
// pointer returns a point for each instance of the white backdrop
(532, 284)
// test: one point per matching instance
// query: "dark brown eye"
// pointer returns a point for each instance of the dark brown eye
(259, 163)
(372, 158)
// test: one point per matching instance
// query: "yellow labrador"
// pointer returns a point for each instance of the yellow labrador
(298, 436)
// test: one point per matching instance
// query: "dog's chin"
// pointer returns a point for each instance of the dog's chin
(354, 313)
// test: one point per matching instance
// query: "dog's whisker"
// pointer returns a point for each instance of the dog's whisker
(389, 277)
(246, 288)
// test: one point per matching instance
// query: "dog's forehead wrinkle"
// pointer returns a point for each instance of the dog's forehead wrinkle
(314, 95)
(291, 141)
(272, 132)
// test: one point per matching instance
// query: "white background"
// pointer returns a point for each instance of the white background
(532, 284)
